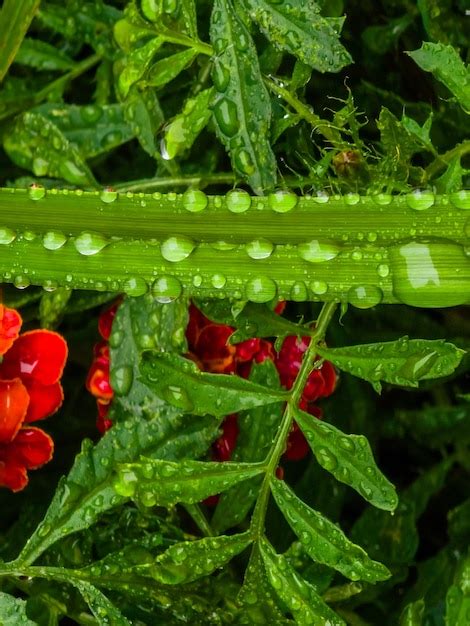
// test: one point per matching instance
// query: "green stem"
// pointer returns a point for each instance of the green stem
(170, 182)
(443, 160)
(198, 517)
(279, 446)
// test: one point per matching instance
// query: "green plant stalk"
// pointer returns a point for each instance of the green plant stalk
(361, 250)
(279, 446)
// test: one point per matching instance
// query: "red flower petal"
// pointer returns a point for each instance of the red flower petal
(10, 324)
(12, 475)
(280, 306)
(246, 350)
(97, 381)
(330, 377)
(44, 400)
(105, 320)
(101, 349)
(36, 354)
(212, 349)
(297, 445)
(14, 400)
(102, 422)
(31, 447)
(225, 444)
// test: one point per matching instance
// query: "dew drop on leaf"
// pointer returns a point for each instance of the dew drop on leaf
(177, 248)
(7, 235)
(166, 289)
(89, 243)
(260, 289)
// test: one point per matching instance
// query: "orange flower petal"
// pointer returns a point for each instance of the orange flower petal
(44, 400)
(10, 324)
(97, 381)
(31, 448)
(14, 401)
(36, 354)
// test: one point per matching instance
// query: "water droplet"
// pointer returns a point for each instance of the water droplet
(259, 249)
(197, 280)
(225, 112)
(7, 235)
(327, 459)
(352, 198)
(135, 286)
(346, 443)
(372, 236)
(21, 282)
(365, 296)
(53, 240)
(177, 248)
(319, 287)
(223, 246)
(220, 75)
(383, 270)
(316, 251)
(40, 167)
(121, 379)
(260, 289)
(238, 201)
(36, 192)
(299, 292)
(194, 200)
(420, 200)
(108, 195)
(218, 281)
(91, 113)
(321, 197)
(90, 243)
(166, 289)
(382, 199)
(243, 161)
(178, 397)
(356, 255)
(282, 201)
(126, 483)
(461, 199)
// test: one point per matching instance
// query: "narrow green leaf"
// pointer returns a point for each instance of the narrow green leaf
(297, 594)
(324, 541)
(165, 483)
(257, 428)
(104, 610)
(458, 596)
(87, 491)
(143, 113)
(42, 56)
(242, 109)
(445, 64)
(412, 614)
(190, 560)
(349, 458)
(13, 611)
(182, 131)
(165, 70)
(52, 306)
(180, 383)
(15, 18)
(136, 64)
(403, 362)
(298, 28)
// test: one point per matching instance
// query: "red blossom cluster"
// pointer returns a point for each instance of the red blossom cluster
(30, 391)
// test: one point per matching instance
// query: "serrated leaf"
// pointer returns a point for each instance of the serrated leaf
(190, 560)
(102, 608)
(458, 596)
(420, 133)
(445, 64)
(452, 178)
(403, 362)
(42, 56)
(180, 383)
(15, 18)
(13, 611)
(142, 111)
(324, 541)
(87, 491)
(298, 28)
(165, 70)
(297, 594)
(242, 109)
(165, 483)
(256, 430)
(349, 458)
(182, 130)
(136, 63)
(412, 614)
(36, 144)
(52, 306)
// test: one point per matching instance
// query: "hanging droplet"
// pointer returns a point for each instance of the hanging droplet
(321, 197)
(194, 200)
(177, 248)
(166, 289)
(21, 282)
(365, 296)
(299, 292)
(316, 251)
(135, 286)
(259, 249)
(53, 240)
(7, 235)
(89, 243)
(319, 287)
(461, 199)
(36, 192)
(282, 201)
(238, 201)
(260, 289)
(420, 200)
(108, 195)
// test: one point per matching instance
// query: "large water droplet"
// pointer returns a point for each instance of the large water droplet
(259, 249)
(218, 281)
(178, 397)
(461, 199)
(316, 251)
(225, 112)
(238, 201)
(365, 296)
(36, 192)
(166, 289)
(420, 200)
(7, 235)
(282, 201)
(108, 195)
(53, 240)
(243, 161)
(352, 198)
(90, 243)
(177, 248)
(260, 289)
(21, 281)
(327, 459)
(220, 75)
(121, 379)
(135, 286)
(194, 200)
(382, 199)
(319, 287)
(383, 270)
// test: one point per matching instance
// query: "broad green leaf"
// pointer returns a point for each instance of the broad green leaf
(458, 596)
(13, 611)
(257, 428)
(92, 128)
(136, 63)
(180, 383)
(298, 28)
(104, 610)
(42, 56)
(182, 130)
(190, 560)
(412, 614)
(324, 541)
(36, 144)
(165, 70)
(445, 64)
(242, 109)
(15, 18)
(165, 483)
(87, 491)
(349, 458)
(258, 601)
(403, 362)
(142, 111)
(52, 306)
(297, 594)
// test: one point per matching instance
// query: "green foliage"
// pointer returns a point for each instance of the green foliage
(13, 611)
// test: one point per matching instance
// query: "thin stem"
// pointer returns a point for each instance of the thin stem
(198, 180)
(277, 450)
(198, 517)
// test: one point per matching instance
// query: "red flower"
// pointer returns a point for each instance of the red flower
(29, 391)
